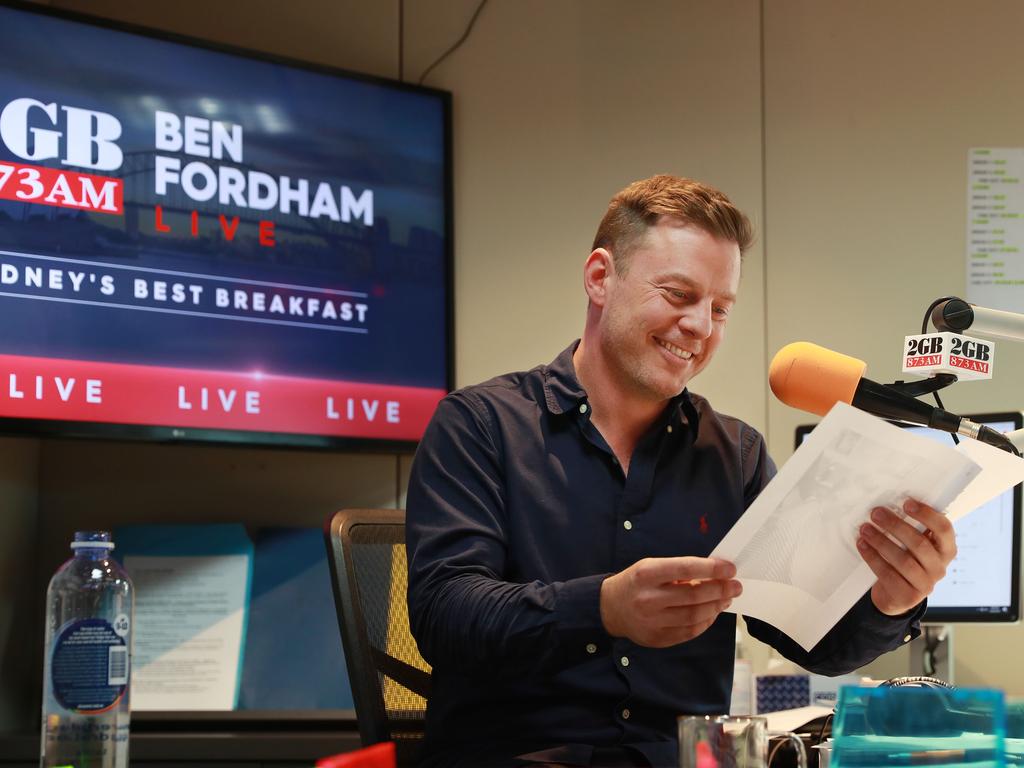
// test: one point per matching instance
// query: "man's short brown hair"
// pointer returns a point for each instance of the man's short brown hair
(639, 206)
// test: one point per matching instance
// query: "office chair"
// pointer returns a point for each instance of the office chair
(390, 680)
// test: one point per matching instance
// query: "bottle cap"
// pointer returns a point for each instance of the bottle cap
(92, 540)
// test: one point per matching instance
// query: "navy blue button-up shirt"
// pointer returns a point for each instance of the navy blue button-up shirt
(517, 510)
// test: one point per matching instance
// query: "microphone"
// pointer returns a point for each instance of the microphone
(812, 378)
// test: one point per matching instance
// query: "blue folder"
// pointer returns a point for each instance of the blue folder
(293, 656)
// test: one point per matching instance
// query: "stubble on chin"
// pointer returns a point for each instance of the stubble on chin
(651, 383)
(636, 360)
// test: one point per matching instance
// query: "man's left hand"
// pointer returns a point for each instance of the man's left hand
(906, 576)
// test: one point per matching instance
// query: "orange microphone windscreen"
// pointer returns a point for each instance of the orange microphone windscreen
(812, 378)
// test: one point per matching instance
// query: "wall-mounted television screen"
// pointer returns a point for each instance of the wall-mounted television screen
(200, 243)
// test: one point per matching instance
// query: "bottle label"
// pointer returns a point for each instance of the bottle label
(89, 667)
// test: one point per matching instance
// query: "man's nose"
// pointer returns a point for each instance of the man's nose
(696, 320)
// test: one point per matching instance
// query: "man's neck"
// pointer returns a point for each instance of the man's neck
(621, 415)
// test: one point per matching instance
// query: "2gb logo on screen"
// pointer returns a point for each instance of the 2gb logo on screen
(87, 141)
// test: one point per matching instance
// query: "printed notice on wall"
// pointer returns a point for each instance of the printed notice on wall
(995, 227)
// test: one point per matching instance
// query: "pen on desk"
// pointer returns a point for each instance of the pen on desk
(926, 757)
(705, 758)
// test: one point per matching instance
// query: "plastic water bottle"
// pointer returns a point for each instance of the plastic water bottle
(87, 659)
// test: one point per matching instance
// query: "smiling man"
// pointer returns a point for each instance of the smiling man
(560, 520)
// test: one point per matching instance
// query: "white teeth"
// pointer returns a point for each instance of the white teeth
(675, 350)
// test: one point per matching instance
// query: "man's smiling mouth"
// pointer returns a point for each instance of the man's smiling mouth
(680, 353)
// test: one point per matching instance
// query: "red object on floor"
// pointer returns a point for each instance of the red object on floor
(375, 756)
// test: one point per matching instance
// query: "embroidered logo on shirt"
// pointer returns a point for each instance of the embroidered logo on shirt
(704, 523)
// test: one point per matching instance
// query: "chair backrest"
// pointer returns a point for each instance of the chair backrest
(390, 680)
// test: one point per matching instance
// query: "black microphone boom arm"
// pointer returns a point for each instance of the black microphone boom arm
(957, 315)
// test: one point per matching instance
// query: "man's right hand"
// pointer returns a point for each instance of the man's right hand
(663, 601)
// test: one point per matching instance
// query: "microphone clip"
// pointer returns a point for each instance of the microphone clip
(924, 386)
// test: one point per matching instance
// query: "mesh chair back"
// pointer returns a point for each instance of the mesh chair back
(390, 680)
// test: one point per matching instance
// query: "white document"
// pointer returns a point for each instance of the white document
(795, 547)
(189, 630)
(795, 720)
(1000, 471)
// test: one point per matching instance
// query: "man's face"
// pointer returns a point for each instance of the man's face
(663, 320)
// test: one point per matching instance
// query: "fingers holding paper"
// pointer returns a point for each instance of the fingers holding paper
(662, 601)
(907, 571)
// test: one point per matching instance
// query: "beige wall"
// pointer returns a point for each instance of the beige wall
(556, 106)
(851, 161)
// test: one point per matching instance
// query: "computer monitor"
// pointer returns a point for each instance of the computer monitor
(982, 584)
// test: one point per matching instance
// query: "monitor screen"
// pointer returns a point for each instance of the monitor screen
(982, 584)
(202, 243)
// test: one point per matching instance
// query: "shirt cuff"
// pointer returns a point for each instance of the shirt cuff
(889, 631)
(578, 608)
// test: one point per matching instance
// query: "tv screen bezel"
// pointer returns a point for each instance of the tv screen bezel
(53, 428)
(964, 614)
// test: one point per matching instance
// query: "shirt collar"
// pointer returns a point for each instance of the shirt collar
(563, 391)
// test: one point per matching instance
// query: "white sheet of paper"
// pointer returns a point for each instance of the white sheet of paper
(795, 547)
(786, 720)
(189, 630)
(1000, 471)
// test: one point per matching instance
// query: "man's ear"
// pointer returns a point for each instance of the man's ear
(598, 271)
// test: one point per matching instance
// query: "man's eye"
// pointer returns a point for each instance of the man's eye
(722, 311)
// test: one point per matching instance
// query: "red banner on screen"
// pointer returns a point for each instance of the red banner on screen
(77, 390)
(65, 189)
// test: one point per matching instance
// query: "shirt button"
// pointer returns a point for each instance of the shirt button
(591, 648)
(624, 661)
(625, 714)
(669, 429)
(583, 407)
(627, 525)
(906, 639)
